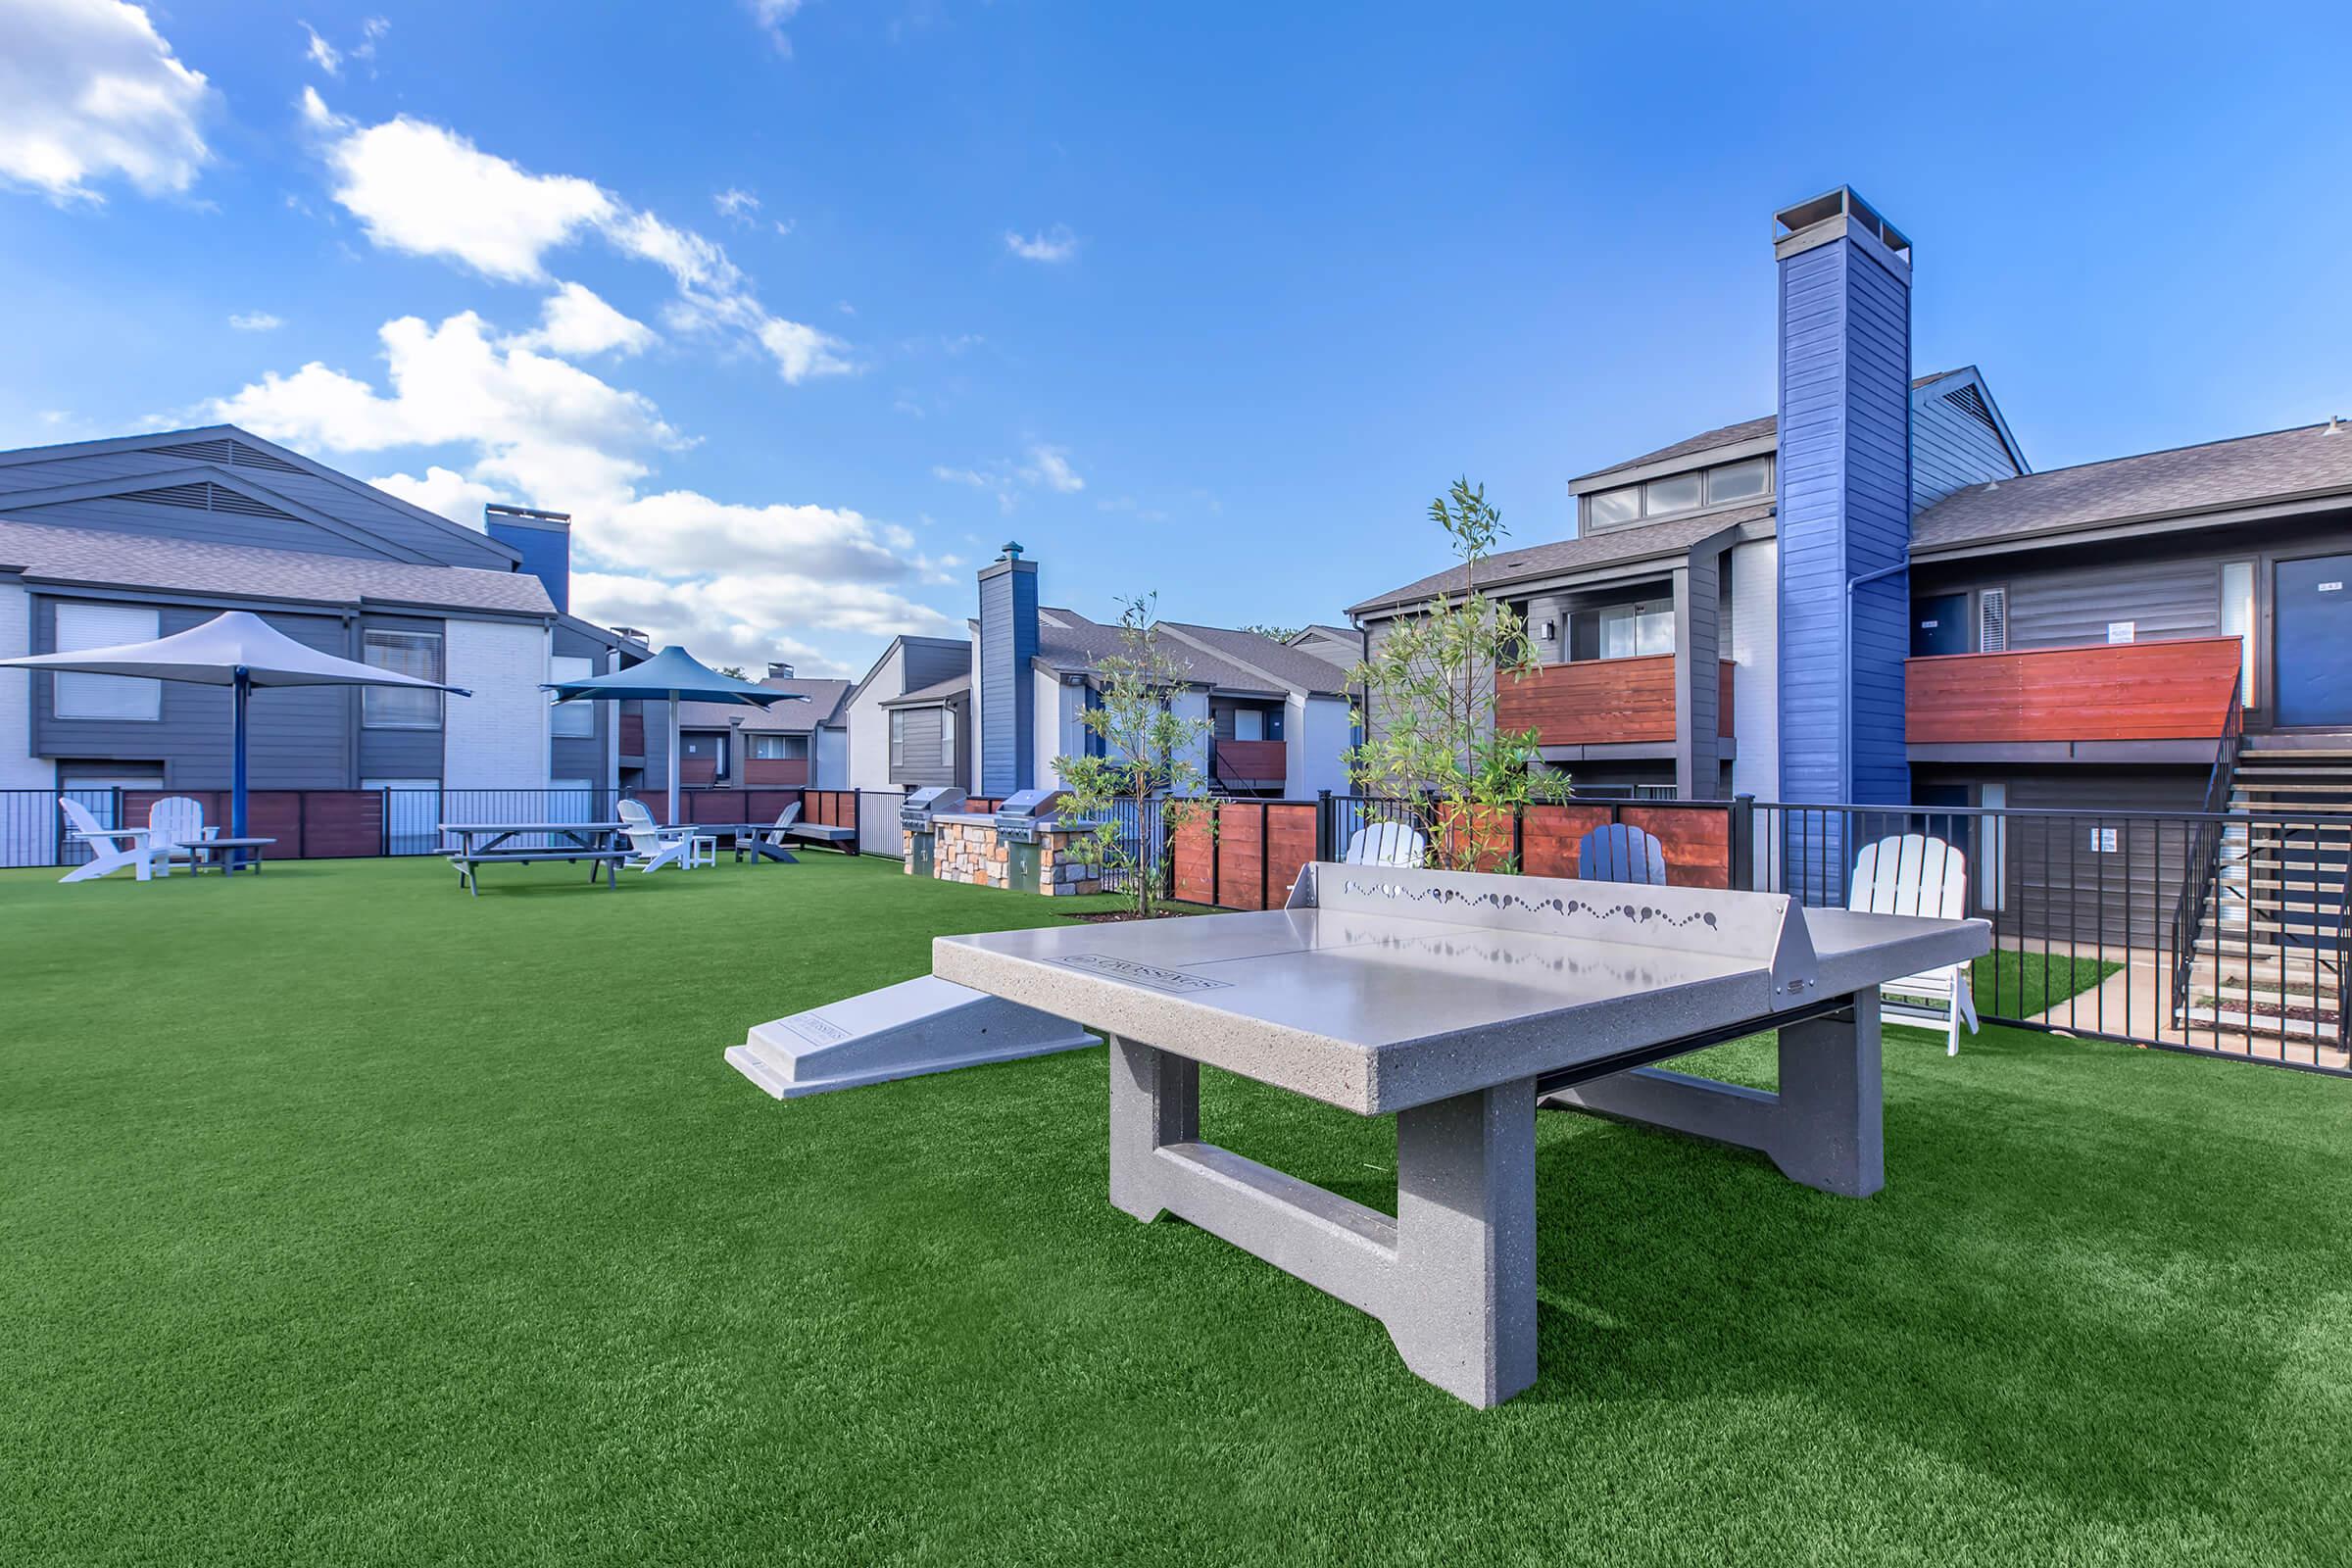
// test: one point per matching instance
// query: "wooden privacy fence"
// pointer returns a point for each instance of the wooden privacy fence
(1244, 855)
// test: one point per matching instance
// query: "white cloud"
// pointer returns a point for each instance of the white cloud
(88, 89)
(320, 53)
(734, 581)
(575, 320)
(1050, 467)
(426, 190)
(1047, 467)
(1056, 244)
(255, 322)
(737, 206)
(772, 15)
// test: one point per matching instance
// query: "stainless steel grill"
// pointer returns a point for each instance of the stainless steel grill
(1026, 813)
(915, 814)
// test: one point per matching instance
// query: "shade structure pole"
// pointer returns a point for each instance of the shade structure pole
(236, 798)
(678, 764)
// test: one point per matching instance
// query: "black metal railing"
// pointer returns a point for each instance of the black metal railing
(2208, 883)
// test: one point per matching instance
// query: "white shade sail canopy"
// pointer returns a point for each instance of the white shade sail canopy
(214, 653)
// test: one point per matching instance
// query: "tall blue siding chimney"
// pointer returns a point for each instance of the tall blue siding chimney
(1843, 488)
(1007, 688)
(544, 540)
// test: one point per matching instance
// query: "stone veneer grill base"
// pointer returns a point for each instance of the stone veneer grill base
(966, 848)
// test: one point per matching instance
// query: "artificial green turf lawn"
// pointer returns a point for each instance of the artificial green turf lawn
(346, 1219)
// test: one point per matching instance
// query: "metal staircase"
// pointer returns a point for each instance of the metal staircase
(2268, 943)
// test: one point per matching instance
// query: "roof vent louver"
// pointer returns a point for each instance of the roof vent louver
(206, 495)
(1971, 402)
(202, 451)
(245, 457)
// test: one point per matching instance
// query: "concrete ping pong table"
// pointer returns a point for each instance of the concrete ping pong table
(1459, 1003)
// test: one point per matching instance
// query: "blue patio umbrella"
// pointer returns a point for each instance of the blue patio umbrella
(673, 677)
(234, 648)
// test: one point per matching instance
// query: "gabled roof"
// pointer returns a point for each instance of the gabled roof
(220, 444)
(1070, 644)
(932, 696)
(825, 699)
(1617, 547)
(100, 558)
(902, 640)
(200, 485)
(1768, 428)
(2311, 463)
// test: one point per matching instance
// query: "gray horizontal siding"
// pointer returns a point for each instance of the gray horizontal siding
(923, 765)
(120, 515)
(927, 664)
(1952, 449)
(298, 737)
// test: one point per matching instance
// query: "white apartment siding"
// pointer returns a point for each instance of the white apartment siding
(20, 769)
(1317, 728)
(1755, 648)
(497, 738)
(1054, 729)
(869, 749)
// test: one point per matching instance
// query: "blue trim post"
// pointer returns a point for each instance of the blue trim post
(236, 799)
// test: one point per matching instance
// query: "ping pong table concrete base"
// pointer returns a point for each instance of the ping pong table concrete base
(1460, 1003)
(1452, 1277)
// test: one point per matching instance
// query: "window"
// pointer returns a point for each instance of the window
(1749, 479)
(1616, 506)
(1248, 724)
(1739, 481)
(81, 626)
(2238, 621)
(405, 652)
(572, 720)
(1993, 622)
(1680, 493)
(898, 737)
(779, 748)
(947, 737)
(1633, 631)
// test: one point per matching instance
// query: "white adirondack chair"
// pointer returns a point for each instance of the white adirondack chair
(175, 831)
(1385, 844)
(1911, 873)
(652, 847)
(110, 849)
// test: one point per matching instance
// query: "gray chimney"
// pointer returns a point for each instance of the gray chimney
(778, 670)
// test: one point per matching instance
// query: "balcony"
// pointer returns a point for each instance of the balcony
(1250, 764)
(1602, 702)
(2146, 701)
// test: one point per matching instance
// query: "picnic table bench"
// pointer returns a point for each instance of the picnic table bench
(481, 844)
(844, 839)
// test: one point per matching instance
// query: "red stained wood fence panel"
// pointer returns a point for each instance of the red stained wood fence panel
(1592, 701)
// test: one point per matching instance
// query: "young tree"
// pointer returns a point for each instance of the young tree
(1148, 754)
(1428, 706)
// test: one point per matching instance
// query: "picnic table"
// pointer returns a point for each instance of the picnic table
(481, 844)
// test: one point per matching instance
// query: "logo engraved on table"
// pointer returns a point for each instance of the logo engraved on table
(1175, 982)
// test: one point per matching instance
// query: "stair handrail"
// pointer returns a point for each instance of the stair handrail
(2203, 864)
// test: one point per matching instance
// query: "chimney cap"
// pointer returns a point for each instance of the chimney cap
(1829, 208)
(633, 635)
(527, 516)
(1010, 549)
(779, 670)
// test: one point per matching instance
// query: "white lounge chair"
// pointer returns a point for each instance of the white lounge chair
(652, 847)
(110, 848)
(1911, 873)
(1385, 844)
(176, 830)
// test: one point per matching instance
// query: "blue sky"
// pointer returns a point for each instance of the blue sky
(1209, 301)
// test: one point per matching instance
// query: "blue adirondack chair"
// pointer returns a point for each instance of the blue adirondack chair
(1617, 851)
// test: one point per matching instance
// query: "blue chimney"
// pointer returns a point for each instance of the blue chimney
(1007, 688)
(544, 540)
(1843, 491)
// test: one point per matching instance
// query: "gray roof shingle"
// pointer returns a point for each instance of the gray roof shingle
(1294, 668)
(1571, 555)
(2242, 472)
(1068, 642)
(1722, 436)
(103, 557)
(782, 718)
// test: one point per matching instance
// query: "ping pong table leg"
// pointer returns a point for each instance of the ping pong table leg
(1462, 1313)
(1821, 1128)
(1827, 1132)
(1154, 1100)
